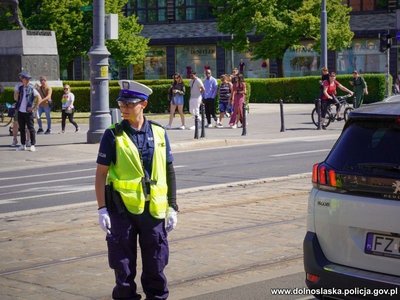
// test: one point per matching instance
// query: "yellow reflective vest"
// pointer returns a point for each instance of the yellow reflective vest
(127, 174)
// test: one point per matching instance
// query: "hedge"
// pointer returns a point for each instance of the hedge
(307, 89)
(270, 90)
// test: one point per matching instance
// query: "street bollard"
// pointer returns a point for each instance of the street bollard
(319, 113)
(203, 120)
(282, 118)
(244, 125)
(196, 127)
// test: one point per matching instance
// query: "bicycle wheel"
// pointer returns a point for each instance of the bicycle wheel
(314, 118)
(5, 120)
(347, 112)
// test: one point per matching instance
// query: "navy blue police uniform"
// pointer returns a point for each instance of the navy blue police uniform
(126, 227)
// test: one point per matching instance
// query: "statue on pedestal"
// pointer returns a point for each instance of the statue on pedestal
(13, 5)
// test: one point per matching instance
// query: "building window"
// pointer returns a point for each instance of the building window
(363, 56)
(155, 11)
(196, 58)
(246, 64)
(303, 61)
(367, 5)
(188, 10)
(154, 65)
(147, 11)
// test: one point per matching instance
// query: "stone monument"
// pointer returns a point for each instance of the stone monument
(12, 5)
(34, 51)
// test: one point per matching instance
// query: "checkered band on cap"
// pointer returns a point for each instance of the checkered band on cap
(133, 91)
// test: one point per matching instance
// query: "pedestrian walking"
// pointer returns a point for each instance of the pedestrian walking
(176, 97)
(28, 100)
(324, 77)
(359, 87)
(45, 92)
(68, 108)
(136, 195)
(196, 91)
(225, 93)
(242, 66)
(210, 92)
(237, 100)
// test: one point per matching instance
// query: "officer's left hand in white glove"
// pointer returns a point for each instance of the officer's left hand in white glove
(171, 220)
(104, 220)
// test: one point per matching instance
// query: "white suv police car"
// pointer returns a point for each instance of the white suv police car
(352, 244)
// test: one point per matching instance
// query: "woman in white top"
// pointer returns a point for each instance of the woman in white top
(196, 91)
(68, 109)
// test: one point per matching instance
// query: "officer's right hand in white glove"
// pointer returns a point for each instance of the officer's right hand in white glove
(104, 220)
(171, 220)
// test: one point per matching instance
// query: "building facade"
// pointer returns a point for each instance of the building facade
(184, 38)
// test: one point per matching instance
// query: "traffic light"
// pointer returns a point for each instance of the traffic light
(385, 41)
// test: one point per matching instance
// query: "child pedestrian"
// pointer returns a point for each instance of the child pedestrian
(68, 108)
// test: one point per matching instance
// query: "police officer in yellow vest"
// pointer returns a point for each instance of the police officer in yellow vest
(136, 194)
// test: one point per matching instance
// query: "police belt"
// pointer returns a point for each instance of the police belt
(114, 202)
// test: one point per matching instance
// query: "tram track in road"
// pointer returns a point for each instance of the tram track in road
(202, 207)
(66, 260)
(239, 269)
(227, 235)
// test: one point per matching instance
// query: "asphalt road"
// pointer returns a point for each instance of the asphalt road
(74, 183)
(203, 262)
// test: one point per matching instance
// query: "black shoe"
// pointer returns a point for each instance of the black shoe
(48, 131)
(323, 127)
(76, 129)
(40, 131)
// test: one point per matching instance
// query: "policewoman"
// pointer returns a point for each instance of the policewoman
(136, 195)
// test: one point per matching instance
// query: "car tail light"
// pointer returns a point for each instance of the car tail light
(312, 277)
(323, 175)
(315, 173)
(332, 177)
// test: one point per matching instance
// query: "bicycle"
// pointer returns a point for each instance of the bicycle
(7, 113)
(330, 116)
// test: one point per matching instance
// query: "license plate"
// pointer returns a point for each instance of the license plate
(382, 245)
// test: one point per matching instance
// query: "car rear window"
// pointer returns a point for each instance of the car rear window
(368, 148)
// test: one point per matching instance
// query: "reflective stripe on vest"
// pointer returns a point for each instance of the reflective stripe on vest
(127, 173)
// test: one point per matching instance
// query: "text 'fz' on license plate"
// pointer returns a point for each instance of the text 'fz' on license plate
(383, 245)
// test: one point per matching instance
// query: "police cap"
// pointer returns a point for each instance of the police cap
(133, 91)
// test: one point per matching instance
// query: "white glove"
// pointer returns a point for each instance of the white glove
(104, 220)
(171, 220)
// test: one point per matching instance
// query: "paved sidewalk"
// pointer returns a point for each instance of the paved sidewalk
(253, 232)
(264, 127)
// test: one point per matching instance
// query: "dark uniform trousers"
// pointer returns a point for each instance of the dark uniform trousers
(209, 106)
(122, 254)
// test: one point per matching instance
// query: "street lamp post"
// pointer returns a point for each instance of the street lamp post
(324, 36)
(100, 117)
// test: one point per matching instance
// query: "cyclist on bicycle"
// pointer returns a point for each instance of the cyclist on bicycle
(329, 95)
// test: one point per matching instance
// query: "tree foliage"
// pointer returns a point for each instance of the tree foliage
(73, 28)
(131, 47)
(281, 24)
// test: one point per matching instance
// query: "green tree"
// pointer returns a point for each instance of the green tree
(131, 47)
(74, 28)
(281, 24)
(71, 26)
